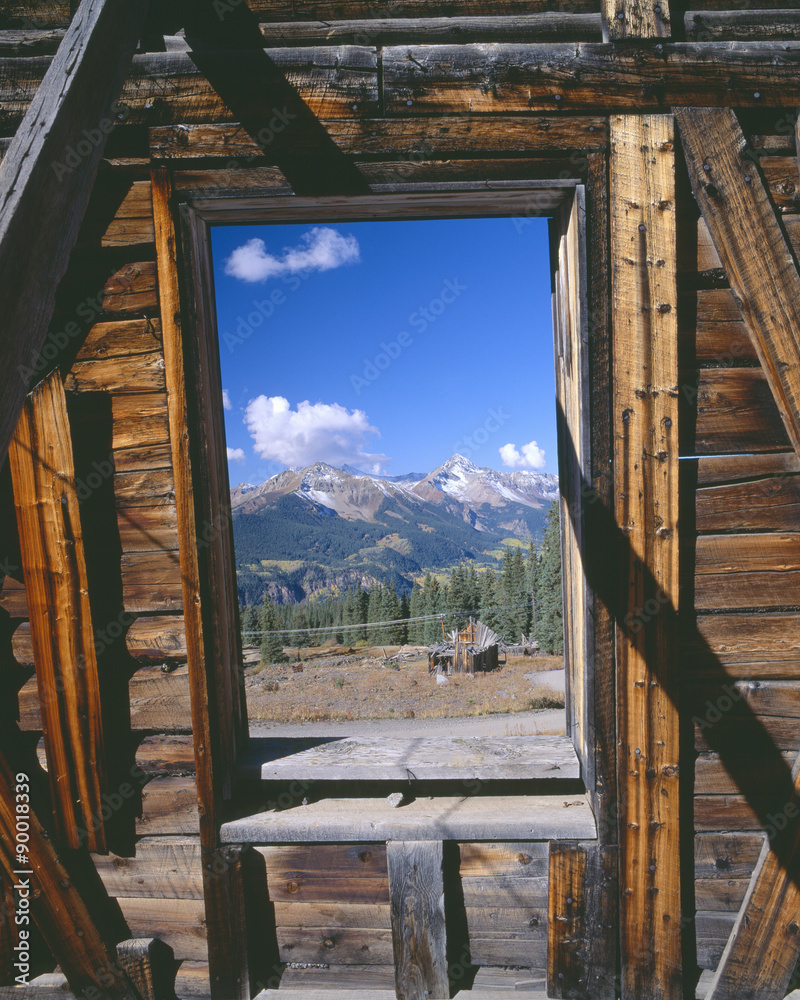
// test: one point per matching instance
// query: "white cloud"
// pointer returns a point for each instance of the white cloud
(314, 432)
(531, 456)
(320, 249)
(226, 400)
(236, 455)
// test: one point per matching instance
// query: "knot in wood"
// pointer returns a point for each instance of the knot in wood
(328, 942)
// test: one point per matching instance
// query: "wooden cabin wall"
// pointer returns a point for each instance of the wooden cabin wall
(106, 339)
(740, 519)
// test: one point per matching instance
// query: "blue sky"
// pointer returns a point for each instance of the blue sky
(386, 345)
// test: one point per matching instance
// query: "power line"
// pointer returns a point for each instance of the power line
(349, 627)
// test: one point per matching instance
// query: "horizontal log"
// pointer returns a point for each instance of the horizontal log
(769, 504)
(720, 332)
(736, 412)
(166, 755)
(722, 895)
(411, 140)
(151, 581)
(508, 949)
(748, 645)
(120, 214)
(335, 945)
(145, 459)
(137, 373)
(707, 256)
(713, 930)
(148, 529)
(505, 891)
(131, 289)
(162, 637)
(530, 860)
(780, 173)
(13, 598)
(741, 25)
(139, 420)
(162, 868)
(30, 41)
(747, 571)
(160, 701)
(726, 856)
(350, 915)
(327, 873)
(164, 87)
(784, 733)
(180, 923)
(723, 468)
(38, 13)
(763, 697)
(121, 338)
(724, 812)
(711, 777)
(169, 806)
(144, 488)
(504, 78)
(519, 922)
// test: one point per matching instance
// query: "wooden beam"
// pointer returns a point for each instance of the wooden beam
(56, 583)
(43, 196)
(71, 930)
(645, 401)
(636, 19)
(150, 965)
(419, 938)
(752, 246)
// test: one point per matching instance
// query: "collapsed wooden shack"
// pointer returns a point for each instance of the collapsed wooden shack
(474, 647)
(659, 140)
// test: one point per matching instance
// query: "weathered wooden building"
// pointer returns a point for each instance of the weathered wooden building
(474, 647)
(659, 839)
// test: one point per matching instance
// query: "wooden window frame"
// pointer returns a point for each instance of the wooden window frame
(564, 202)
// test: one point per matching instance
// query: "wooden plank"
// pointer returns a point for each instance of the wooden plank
(505, 892)
(151, 581)
(157, 638)
(419, 936)
(82, 81)
(169, 806)
(724, 813)
(140, 373)
(762, 951)
(750, 645)
(517, 859)
(636, 19)
(335, 945)
(131, 289)
(345, 915)
(566, 921)
(741, 25)
(131, 216)
(747, 571)
(475, 817)
(180, 923)
(412, 140)
(771, 504)
(162, 868)
(763, 697)
(585, 77)
(160, 700)
(713, 931)
(121, 338)
(712, 778)
(720, 332)
(724, 895)
(144, 488)
(763, 275)
(327, 873)
(507, 949)
(13, 598)
(51, 542)
(149, 964)
(726, 856)
(138, 420)
(78, 938)
(724, 468)
(644, 298)
(148, 529)
(782, 733)
(165, 754)
(736, 411)
(379, 759)
(218, 718)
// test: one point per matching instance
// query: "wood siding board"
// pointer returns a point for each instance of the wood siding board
(78, 92)
(646, 417)
(56, 582)
(763, 275)
(419, 935)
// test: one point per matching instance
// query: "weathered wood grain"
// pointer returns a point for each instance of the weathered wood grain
(516, 859)
(636, 19)
(741, 25)
(412, 140)
(724, 895)
(151, 581)
(77, 936)
(139, 420)
(771, 504)
(713, 931)
(721, 333)
(724, 469)
(726, 856)
(335, 945)
(419, 936)
(56, 582)
(327, 873)
(13, 598)
(505, 892)
(131, 289)
(160, 701)
(138, 373)
(163, 868)
(157, 638)
(763, 275)
(780, 731)
(747, 571)
(148, 529)
(645, 400)
(349, 915)
(121, 338)
(712, 778)
(37, 187)
(118, 215)
(566, 921)
(180, 923)
(506, 78)
(169, 806)
(149, 964)
(165, 754)
(724, 813)
(750, 645)
(365, 758)
(736, 411)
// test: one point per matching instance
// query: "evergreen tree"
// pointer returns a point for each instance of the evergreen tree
(416, 609)
(488, 601)
(250, 623)
(405, 612)
(549, 613)
(271, 642)
(390, 612)
(299, 621)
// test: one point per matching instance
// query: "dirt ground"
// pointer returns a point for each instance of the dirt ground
(346, 684)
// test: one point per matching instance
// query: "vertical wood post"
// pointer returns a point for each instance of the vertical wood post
(645, 400)
(419, 938)
(54, 563)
